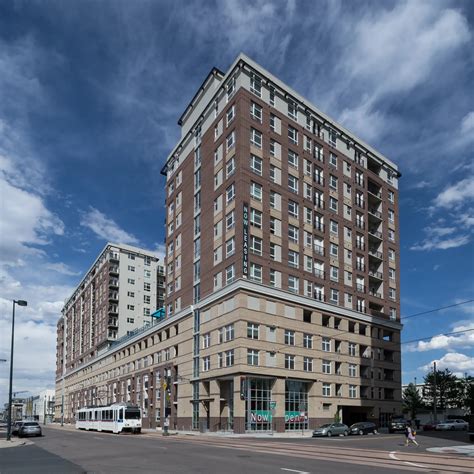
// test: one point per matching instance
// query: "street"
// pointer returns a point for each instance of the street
(68, 451)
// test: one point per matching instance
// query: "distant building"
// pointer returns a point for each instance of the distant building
(41, 407)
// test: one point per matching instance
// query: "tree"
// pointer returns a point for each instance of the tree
(447, 390)
(412, 400)
(465, 393)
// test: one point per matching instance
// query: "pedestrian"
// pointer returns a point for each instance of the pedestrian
(410, 435)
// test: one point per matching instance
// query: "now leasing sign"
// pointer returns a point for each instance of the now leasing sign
(245, 240)
(260, 416)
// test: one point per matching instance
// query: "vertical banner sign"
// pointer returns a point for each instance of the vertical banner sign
(245, 241)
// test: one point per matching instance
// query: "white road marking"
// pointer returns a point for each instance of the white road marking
(392, 455)
(293, 470)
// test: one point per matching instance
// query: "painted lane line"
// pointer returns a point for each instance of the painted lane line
(293, 470)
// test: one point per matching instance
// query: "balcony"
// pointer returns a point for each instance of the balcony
(113, 270)
(375, 213)
(374, 192)
(113, 257)
(375, 274)
(319, 274)
(113, 322)
(376, 234)
(376, 254)
(378, 314)
(113, 283)
(113, 310)
(376, 294)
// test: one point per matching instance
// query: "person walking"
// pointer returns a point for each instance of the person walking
(410, 435)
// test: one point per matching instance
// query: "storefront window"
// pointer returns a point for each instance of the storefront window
(296, 405)
(259, 396)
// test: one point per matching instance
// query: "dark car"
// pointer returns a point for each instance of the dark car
(362, 428)
(397, 424)
(29, 428)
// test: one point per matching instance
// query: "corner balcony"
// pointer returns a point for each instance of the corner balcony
(376, 254)
(376, 275)
(376, 234)
(113, 283)
(113, 270)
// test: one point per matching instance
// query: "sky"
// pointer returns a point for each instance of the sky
(90, 95)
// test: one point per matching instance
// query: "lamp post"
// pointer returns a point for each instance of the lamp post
(9, 425)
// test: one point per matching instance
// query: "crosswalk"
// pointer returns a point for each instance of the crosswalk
(418, 461)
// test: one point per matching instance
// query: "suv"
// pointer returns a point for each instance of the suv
(29, 428)
(397, 424)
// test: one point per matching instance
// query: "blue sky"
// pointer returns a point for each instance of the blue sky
(90, 93)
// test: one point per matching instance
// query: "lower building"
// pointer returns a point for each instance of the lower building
(248, 358)
(41, 407)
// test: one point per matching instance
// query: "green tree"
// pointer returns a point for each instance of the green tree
(465, 393)
(412, 400)
(447, 390)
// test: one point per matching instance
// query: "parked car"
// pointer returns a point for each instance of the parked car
(430, 426)
(331, 429)
(362, 428)
(397, 424)
(16, 426)
(452, 425)
(29, 428)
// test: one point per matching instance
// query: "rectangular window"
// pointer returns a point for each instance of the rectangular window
(255, 218)
(230, 167)
(230, 115)
(229, 274)
(256, 112)
(333, 204)
(293, 135)
(255, 138)
(293, 233)
(256, 164)
(230, 141)
(252, 330)
(230, 193)
(256, 245)
(333, 160)
(308, 364)
(293, 184)
(293, 209)
(334, 250)
(256, 272)
(326, 366)
(292, 110)
(252, 357)
(256, 85)
(293, 284)
(230, 247)
(326, 344)
(256, 191)
(229, 220)
(293, 258)
(292, 159)
(308, 341)
(352, 391)
(289, 362)
(326, 389)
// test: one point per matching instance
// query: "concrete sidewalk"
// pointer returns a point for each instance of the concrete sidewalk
(14, 443)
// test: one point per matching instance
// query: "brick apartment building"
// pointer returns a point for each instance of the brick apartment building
(282, 284)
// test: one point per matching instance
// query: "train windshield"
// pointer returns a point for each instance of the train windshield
(132, 414)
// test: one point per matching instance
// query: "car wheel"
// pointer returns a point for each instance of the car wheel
(361, 432)
(452, 428)
(346, 433)
(329, 434)
(375, 432)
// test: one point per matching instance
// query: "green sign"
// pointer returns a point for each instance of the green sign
(273, 405)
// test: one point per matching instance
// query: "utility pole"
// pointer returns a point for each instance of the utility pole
(435, 401)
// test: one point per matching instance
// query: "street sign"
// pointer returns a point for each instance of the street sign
(273, 405)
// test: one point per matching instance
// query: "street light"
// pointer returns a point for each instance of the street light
(9, 426)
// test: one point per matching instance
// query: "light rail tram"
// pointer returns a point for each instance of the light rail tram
(118, 418)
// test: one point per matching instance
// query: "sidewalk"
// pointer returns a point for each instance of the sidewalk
(14, 443)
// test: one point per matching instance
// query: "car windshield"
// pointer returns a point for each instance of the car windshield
(325, 426)
(30, 424)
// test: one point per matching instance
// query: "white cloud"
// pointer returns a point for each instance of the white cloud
(455, 362)
(61, 268)
(437, 243)
(467, 126)
(160, 252)
(465, 340)
(456, 194)
(24, 222)
(106, 228)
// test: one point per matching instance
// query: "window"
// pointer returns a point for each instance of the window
(275, 226)
(292, 110)
(391, 216)
(352, 349)
(334, 273)
(147, 298)
(293, 259)
(334, 296)
(256, 191)
(229, 333)
(229, 220)
(131, 294)
(326, 367)
(292, 159)
(229, 358)
(289, 337)
(333, 204)
(256, 272)
(275, 200)
(293, 208)
(293, 135)
(252, 357)
(230, 167)
(230, 247)
(230, 115)
(391, 273)
(230, 193)
(332, 181)
(130, 320)
(326, 344)
(229, 274)
(391, 196)
(230, 88)
(255, 218)
(293, 284)
(197, 224)
(252, 330)
(326, 389)
(131, 307)
(392, 294)
(275, 174)
(275, 252)
(272, 95)
(333, 227)
(206, 340)
(352, 391)
(391, 235)
(206, 363)
(131, 281)
(333, 160)
(256, 112)
(255, 138)
(352, 370)
(131, 268)
(293, 233)
(293, 184)
(308, 364)
(289, 362)
(333, 250)
(391, 254)
(256, 164)
(393, 314)
(256, 85)
(256, 245)
(332, 137)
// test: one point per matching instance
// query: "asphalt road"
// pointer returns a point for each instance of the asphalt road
(67, 451)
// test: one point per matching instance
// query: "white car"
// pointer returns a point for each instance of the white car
(452, 425)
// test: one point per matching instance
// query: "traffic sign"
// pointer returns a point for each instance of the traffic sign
(273, 405)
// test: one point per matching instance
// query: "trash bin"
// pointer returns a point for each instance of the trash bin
(203, 428)
(166, 426)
